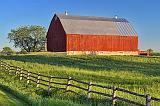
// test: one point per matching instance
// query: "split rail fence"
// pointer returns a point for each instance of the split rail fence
(38, 78)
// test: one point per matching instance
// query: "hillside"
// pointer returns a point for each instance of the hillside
(138, 74)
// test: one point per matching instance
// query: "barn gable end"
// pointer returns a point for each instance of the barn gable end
(56, 36)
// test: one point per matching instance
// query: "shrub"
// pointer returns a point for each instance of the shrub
(23, 51)
(7, 51)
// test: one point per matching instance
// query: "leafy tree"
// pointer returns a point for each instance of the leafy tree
(30, 38)
(7, 51)
(150, 51)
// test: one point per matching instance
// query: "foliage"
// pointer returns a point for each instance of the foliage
(7, 51)
(156, 53)
(150, 51)
(23, 51)
(31, 38)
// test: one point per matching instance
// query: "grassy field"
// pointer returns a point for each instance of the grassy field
(138, 74)
(8, 100)
(16, 93)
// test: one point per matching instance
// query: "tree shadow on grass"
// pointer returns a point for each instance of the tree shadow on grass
(15, 94)
(94, 64)
(79, 98)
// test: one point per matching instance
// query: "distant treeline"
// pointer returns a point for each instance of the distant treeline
(156, 53)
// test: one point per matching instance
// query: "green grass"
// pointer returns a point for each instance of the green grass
(28, 95)
(8, 100)
(18, 94)
(138, 74)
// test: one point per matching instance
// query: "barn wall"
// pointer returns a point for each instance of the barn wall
(101, 43)
(56, 37)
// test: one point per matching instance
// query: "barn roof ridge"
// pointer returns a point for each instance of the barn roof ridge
(90, 25)
(93, 18)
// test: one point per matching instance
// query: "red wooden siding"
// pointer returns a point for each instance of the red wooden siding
(77, 42)
(56, 37)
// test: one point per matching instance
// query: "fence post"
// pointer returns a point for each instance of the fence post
(68, 83)
(17, 70)
(89, 90)
(49, 85)
(148, 100)
(114, 96)
(9, 69)
(21, 75)
(38, 79)
(28, 77)
(6, 68)
(1, 65)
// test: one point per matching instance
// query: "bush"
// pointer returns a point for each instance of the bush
(150, 52)
(156, 54)
(23, 51)
(7, 51)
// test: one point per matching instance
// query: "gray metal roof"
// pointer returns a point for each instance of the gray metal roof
(89, 25)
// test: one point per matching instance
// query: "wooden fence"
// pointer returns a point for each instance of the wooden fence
(38, 78)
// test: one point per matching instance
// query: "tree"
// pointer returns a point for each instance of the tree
(30, 38)
(149, 51)
(7, 51)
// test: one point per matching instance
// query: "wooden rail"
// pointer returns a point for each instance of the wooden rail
(47, 81)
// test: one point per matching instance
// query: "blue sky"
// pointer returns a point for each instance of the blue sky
(143, 14)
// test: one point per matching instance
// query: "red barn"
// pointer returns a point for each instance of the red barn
(91, 35)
